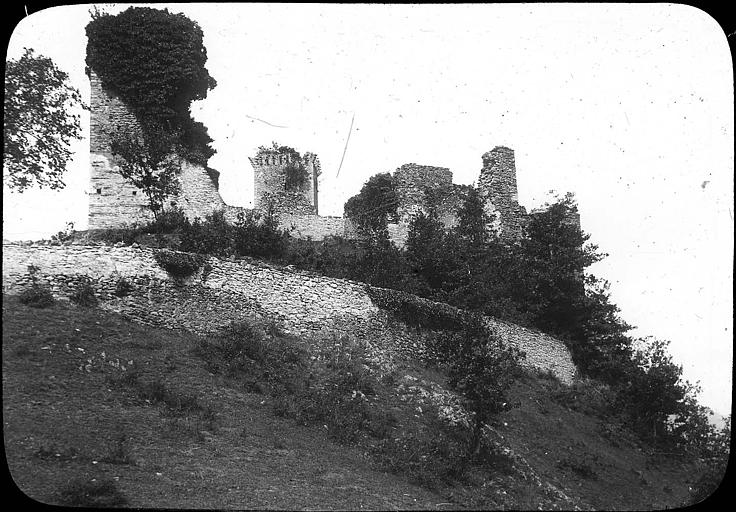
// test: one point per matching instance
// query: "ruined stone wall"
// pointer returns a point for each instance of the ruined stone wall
(270, 180)
(113, 201)
(419, 185)
(198, 196)
(312, 226)
(420, 188)
(497, 186)
(305, 303)
(452, 201)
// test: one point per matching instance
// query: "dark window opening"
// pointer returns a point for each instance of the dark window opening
(99, 191)
(135, 192)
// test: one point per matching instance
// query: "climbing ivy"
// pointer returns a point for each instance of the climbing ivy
(296, 175)
(155, 61)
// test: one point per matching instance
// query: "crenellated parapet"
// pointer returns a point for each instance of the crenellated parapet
(271, 187)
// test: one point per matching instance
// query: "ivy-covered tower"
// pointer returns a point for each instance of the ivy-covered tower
(285, 181)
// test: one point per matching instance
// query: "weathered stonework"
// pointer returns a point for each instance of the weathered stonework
(497, 186)
(113, 201)
(314, 306)
(270, 179)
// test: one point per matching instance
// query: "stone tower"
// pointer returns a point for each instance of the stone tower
(269, 177)
(497, 186)
(113, 200)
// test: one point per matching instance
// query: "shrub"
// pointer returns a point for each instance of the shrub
(169, 220)
(716, 452)
(177, 404)
(258, 236)
(235, 352)
(296, 176)
(123, 288)
(178, 264)
(482, 368)
(346, 415)
(587, 396)
(418, 312)
(125, 235)
(84, 295)
(37, 295)
(66, 235)
(213, 236)
(100, 492)
(429, 453)
(331, 390)
(333, 256)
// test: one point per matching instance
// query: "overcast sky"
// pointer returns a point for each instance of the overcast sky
(628, 106)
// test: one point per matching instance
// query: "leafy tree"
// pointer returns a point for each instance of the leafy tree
(425, 250)
(482, 277)
(155, 60)
(382, 264)
(554, 256)
(375, 206)
(655, 390)
(259, 236)
(213, 236)
(716, 457)
(483, 368)
(149, 163)
(473, 220)
(39, 122)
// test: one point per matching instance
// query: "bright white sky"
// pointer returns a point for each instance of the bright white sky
(628, 106)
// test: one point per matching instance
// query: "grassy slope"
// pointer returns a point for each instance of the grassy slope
(250, 458)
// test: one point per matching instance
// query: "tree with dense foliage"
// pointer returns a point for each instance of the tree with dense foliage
(482, 368)
(375, 206)
(155, 61)
(554, 255)
(39, 122)
(150, 163)
(654, 391)
(716, 455)
(472, 220)
(425, 249)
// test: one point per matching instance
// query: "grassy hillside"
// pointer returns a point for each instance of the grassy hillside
(162, 418)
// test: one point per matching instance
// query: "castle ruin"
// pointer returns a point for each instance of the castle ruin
(114, 202)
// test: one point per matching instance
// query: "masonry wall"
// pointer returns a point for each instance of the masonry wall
(270, 179)
(417, 186)
(314, 306)
(497, 185)
(113, 201)
(312, 226)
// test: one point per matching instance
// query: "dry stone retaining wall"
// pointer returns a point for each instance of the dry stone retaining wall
(224, 291)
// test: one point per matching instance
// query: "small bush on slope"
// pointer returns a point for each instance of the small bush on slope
(84, 295)
(37, 295)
